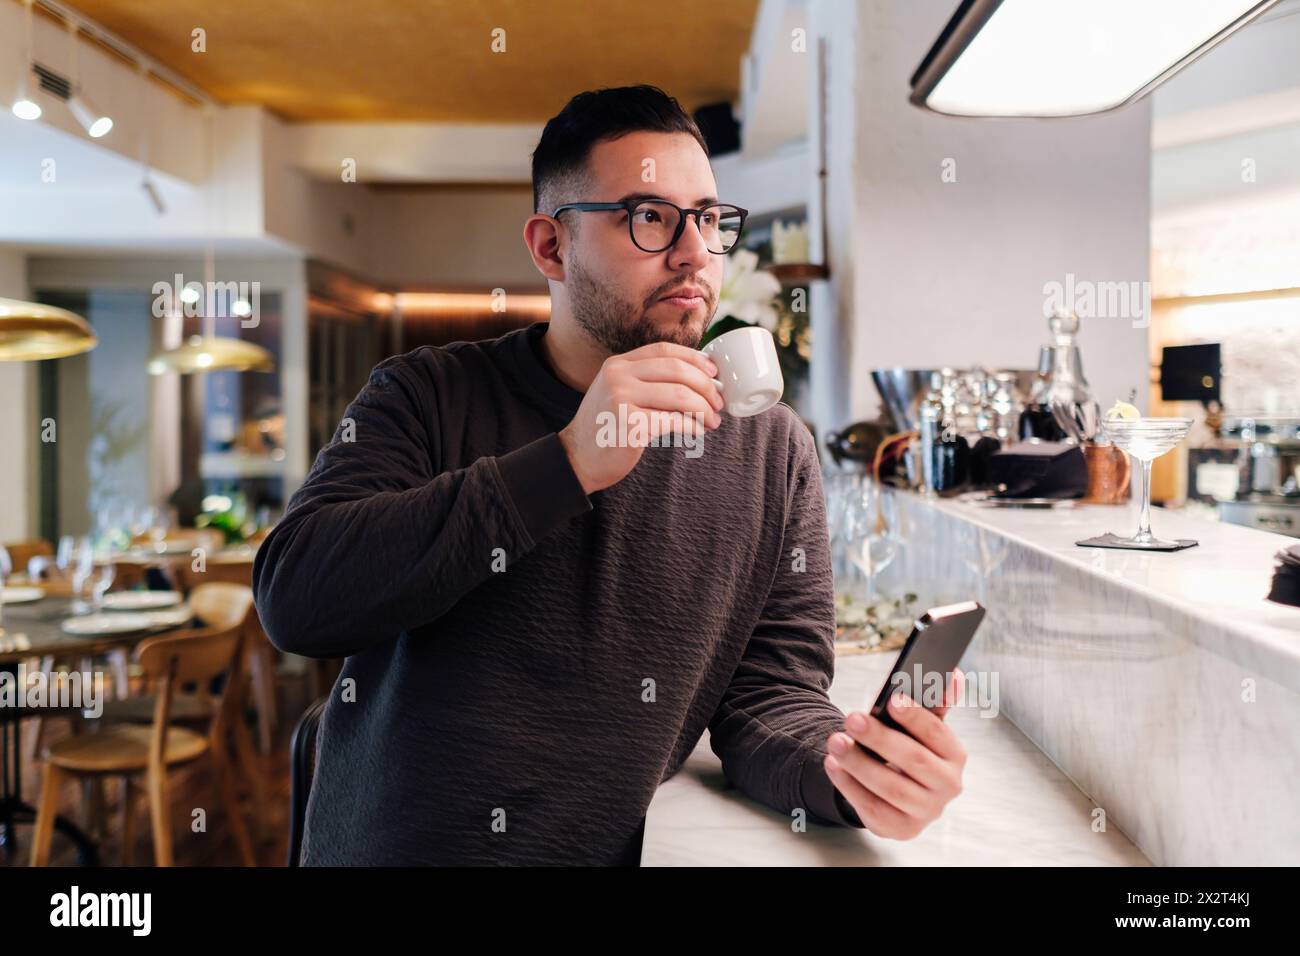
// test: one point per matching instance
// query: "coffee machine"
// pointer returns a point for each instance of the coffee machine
(1268, 472)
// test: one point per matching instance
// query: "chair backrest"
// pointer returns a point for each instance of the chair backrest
(223, 572)
(302, 768)
(211, 540)
(190, 656)
(220, 604)
(198, 656)
(22, 552)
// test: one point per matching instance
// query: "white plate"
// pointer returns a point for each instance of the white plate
(140, 600)
(174, 546)
(171, 617)
(152, 552)
(17, 595)
(95, 624)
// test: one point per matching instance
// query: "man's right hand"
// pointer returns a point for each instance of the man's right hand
(654, 379)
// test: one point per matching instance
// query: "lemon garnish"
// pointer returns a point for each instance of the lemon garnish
(1123, 410)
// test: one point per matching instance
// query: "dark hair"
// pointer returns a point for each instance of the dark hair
(597, 115)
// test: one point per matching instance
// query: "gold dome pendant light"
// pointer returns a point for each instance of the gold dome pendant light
(30, 331)
(210, 352)
(213, 353)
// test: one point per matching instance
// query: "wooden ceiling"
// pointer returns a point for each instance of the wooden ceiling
(432, 60)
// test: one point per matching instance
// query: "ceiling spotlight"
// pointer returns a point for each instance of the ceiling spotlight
(95, 123)
(25, 107)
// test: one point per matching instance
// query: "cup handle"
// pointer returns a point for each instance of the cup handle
(1128, 473)
(721, 391)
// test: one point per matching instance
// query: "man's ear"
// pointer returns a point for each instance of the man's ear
(543, 236)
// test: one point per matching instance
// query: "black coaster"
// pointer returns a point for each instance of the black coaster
(1111, 540)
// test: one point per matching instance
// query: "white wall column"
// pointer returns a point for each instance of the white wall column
(944, 232)
(19, 429)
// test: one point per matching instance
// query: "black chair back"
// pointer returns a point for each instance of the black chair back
(302, 767)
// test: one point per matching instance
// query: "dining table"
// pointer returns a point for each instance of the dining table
(34, 630)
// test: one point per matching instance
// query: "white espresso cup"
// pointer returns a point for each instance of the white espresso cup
(749, 374)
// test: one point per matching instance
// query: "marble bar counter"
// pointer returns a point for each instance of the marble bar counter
(1164, 685)
(1146, 706)
(1015, 809)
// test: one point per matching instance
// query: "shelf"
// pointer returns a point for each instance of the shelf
(234, 464)
(797, 273)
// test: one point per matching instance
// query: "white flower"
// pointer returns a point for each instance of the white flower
(748, 293)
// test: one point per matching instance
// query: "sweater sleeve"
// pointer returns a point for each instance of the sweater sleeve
(380, 539)
(771, 727)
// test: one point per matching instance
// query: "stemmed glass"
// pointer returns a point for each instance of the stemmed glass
(65, 553)
(1146, 439)
(872, 532)
(157, 523)
(835, 487)
(105, 557)
(6, 568)
(139, 522)
(93, 570)
(83, 571)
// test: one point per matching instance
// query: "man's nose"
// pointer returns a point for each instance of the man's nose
(690, 253)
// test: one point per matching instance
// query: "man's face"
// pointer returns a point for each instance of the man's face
(616, 290)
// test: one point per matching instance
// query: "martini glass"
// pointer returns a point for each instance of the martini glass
(1145, 439)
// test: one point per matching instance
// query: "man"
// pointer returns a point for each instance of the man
(540, 623)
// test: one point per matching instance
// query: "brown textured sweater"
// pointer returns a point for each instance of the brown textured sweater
(525, 662)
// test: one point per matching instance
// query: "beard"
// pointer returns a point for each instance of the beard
(620, 325)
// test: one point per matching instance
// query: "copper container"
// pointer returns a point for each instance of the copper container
(1109, 472)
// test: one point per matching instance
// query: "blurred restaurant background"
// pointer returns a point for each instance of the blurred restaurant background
(197, 290)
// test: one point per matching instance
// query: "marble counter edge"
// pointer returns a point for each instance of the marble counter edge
(1223, 636)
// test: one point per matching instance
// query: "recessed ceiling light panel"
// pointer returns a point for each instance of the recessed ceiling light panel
(1067, 57)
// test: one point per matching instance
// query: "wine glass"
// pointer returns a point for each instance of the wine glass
(158, 524)
(6, 568)
(63, 557)
(873, 536)
(139, 521)
(1146, 439)
(113, 525)
(105, 569)
(83, 572)
(836, 485)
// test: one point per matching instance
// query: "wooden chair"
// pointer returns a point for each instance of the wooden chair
(210, 540)
(261, 655)
(216, 605)
(302, 769)
(226, 572)
(221, 604)
(20, 552)
(212, 604)
(150, 751)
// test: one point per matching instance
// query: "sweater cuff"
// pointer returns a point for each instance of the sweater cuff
(821, 797)
(542, 485)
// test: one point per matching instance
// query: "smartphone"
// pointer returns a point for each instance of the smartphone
(933, 649)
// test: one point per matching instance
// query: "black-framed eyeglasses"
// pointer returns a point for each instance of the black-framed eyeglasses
(656, 224)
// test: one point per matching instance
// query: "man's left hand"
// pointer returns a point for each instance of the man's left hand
(900, 797)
